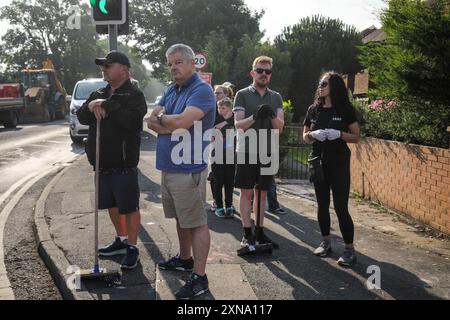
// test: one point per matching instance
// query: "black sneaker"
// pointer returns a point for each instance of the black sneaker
(323, 249)
(279, 211)
(131, 259)
(348, 258)
(266, 239)
(115, 248)
(194, 287)
(176, 263)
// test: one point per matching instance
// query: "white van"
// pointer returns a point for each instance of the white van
(81, 93)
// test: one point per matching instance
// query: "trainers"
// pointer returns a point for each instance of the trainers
(213, 206)
(131, 259)
(229, 212)
(323, 249)
(195, 286)
(348, 258)
(278, 211)
(220, 212)
(246, 242)
(115, 248)
(176, 263)
(266, 239)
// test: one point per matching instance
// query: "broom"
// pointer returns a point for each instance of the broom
(97, 273)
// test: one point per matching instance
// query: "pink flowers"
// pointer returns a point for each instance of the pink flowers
(392, 104)
(380, 105)
(376, 105)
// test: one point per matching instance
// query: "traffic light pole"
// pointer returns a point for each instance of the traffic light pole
(113, 33)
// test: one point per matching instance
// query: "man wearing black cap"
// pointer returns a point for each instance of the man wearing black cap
(121, 107)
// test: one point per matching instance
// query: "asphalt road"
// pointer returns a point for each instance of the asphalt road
(30, 156)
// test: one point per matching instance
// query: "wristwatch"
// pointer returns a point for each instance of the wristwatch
(159, 117)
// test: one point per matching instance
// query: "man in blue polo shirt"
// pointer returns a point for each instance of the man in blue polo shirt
(186, 110)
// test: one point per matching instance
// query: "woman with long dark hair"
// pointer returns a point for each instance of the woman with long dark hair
(329, 125)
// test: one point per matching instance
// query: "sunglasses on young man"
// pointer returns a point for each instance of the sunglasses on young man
(261, 71)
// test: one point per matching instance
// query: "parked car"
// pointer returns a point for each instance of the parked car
(81, 93)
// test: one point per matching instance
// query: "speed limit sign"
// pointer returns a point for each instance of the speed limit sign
(200, 61)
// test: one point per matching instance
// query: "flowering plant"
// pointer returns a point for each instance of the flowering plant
(381, 104)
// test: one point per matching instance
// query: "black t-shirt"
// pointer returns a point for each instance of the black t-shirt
(219, 118)
(319, 117)
(229, 125)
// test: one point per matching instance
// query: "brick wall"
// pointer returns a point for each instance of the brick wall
(411, 179)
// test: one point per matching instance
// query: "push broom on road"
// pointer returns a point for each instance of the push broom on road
(97, 273)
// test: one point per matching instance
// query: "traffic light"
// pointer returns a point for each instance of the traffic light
(106, 12)
(123, 29)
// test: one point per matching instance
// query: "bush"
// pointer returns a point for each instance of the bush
(410, 72)
(288, 137)
(409, 120)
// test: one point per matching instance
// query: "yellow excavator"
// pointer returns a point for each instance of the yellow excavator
(45, 97)
(40, 97)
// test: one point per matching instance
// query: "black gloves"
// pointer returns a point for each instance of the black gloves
(264, 112)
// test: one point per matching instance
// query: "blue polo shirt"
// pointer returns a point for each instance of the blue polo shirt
(195, 93)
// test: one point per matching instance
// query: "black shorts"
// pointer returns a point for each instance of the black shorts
(247, 176)
(119, 190)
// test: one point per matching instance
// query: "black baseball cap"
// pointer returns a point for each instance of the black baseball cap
(113, 57)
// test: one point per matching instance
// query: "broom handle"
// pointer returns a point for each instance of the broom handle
(97, 173)
(258, 211)
(259, 182)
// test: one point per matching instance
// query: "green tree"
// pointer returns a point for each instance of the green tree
(252, 47)
(411, 67)
(220, 55)
(39, 30)
(414, 60)
(159, 24)
(317, 44)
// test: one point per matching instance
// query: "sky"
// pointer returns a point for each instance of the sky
(282, 13)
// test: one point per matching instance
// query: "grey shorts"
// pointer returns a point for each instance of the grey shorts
(184, 197)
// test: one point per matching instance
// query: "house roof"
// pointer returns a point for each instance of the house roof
(373, 34)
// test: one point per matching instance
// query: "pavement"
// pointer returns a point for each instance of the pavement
(410, 263)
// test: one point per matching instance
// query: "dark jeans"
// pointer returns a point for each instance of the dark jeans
(223, 178)
(337, 178)
(272, 196)
(211, 183)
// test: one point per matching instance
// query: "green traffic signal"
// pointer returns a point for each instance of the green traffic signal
(106, 12)
(101, 5)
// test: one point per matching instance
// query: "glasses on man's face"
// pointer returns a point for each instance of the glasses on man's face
(106, 65)
(261, 71)
(323, 84)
